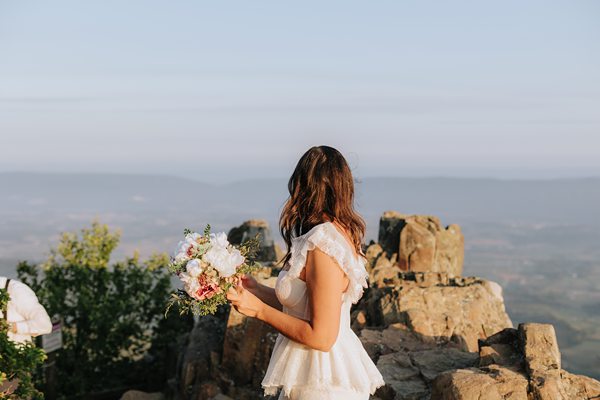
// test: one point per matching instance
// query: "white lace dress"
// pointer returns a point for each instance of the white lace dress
(345, 371)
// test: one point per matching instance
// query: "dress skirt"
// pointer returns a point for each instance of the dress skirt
(318, 394)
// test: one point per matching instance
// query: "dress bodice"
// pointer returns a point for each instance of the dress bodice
(291, 293)
(346, 365)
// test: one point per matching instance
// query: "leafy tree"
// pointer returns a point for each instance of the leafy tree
(18, 361)
(112, 316)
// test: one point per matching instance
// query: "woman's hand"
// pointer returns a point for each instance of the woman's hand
(244, 301)
(249, 282)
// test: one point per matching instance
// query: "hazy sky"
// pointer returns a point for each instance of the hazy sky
(237, 89)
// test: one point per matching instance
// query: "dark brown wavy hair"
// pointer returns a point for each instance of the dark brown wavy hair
(321, 189)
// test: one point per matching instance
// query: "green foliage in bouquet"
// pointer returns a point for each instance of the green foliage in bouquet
(114, 331)
(18, 361)
(188, 305)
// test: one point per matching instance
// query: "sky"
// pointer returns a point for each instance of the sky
(228, 90)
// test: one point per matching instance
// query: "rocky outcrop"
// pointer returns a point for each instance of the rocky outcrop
(200, 360)
(517, 364)
(439, 308)
(433, 333)
(269, 251)
(420, 324)
(437, 335)
(421, 243)
(247, 347)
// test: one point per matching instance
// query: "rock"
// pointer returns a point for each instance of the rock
(539, 346)
(247, 347)
(397, 337)
(518, 364)
(245, 393)
(248, 230)
(542, 360)
(559, 384)
(472, 383)
(425, 246)
(505, 336)
(137, 395)
(501, 348)
(359, 320)
(421, 243)
(450, 250)
(501, 354)
(390, 225)
(577, 387)
(372, 253)
(407, 374)
(383, 272)
(417, 244)
(402, 379)
(221, 396)
(207, 390)
(439, 309)
(407, 363)
(201, 356)
(431, 362)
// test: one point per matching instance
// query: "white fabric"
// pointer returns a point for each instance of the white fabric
(300, 370)
(24, 309)
(316, 394)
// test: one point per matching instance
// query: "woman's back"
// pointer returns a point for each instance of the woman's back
(346, 368)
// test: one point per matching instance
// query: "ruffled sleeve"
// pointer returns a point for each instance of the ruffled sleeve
(329, 240)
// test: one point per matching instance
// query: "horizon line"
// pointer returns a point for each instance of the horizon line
(234, 180)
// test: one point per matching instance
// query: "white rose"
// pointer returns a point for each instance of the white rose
(215, 256)
(181, 251)
(190, 283)
(193, 267)
(236, 258)
(219, 239)
(224, 261)
(193, 236)
(227, 269)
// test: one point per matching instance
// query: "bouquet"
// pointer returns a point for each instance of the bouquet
(208, 265)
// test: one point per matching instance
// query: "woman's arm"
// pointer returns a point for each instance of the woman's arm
(35, 318)
(325, 283)
(265, 293)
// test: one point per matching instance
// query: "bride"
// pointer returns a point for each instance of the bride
(316, 354)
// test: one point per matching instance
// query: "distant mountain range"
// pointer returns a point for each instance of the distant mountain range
(545, 201)
(152, 210)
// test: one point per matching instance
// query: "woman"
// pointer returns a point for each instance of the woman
(316, 354)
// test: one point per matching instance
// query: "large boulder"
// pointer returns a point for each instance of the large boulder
(247, 347)
(200, 360)
(496, 383)
(269, 251)
(421, 243)
(409, 364)
(440, 309)
(516, 364)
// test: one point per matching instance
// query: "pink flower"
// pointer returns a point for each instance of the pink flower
(208, 288)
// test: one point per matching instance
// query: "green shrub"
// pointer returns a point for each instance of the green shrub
(17, 361)
(113, 321)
